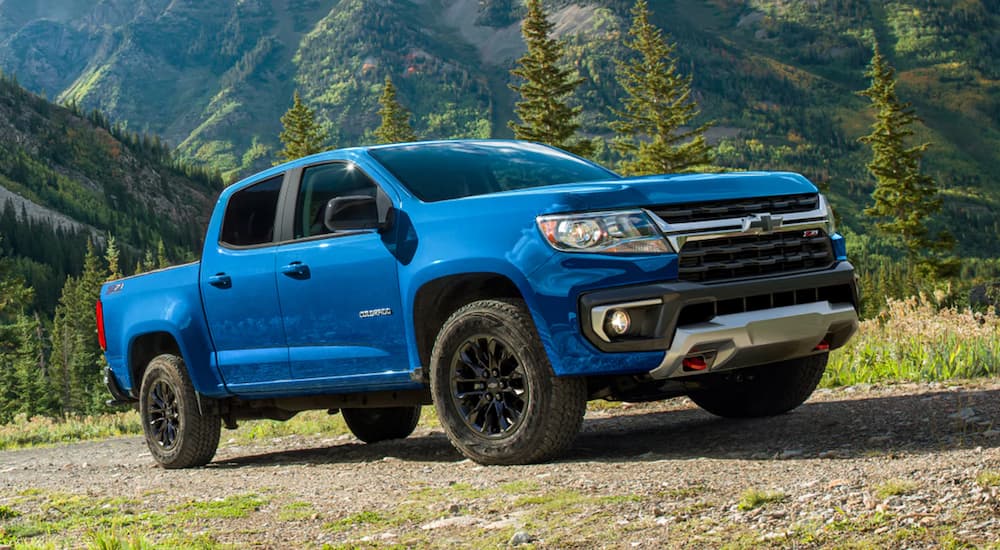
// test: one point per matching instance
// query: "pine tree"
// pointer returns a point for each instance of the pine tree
(162, 260)
(24, 384)
(904, 197)
(75, 351)
(111, 254)
(544, 88)
(395, 127)
(302, 135)
(36, 396)
(650, 129)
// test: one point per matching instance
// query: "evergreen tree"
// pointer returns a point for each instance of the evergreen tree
(15, 338)
(35, 395)
(162, 260)
(650, 129)
(545, 86)
(75, 351)
(111, 254)
(395, 127)
(302, 135)
(904, 197)
(498, 13)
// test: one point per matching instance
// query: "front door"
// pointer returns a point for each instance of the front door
(339, 292)
(241, 300)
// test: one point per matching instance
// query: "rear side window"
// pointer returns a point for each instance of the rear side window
(250, 214)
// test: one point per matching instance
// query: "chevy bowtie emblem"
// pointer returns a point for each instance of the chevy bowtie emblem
(765, 223)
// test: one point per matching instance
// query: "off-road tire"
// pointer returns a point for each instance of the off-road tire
(381, 423)
(177, 433)
(766, 390)
(549, 408)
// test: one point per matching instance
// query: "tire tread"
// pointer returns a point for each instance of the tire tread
(544, 438)
(774, 389)
(201, 429)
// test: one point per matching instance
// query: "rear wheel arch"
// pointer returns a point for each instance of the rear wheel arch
(146, 347)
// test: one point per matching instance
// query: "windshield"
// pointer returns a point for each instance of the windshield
(449, 170)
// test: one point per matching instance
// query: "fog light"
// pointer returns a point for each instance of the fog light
(618, 322)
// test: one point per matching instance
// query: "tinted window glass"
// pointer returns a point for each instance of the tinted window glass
(322, 183)
(250, 214)
(441, 171)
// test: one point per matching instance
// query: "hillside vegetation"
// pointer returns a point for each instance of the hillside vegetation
(777, 77)
(66, 179)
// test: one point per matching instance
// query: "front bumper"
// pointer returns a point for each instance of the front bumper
(759, 337)
(732, 324)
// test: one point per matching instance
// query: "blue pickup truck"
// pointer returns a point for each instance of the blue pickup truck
(505, 282)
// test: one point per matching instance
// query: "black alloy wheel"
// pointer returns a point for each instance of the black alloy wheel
(488, 386)
(164, 414)
(181, 430)
(495, 391)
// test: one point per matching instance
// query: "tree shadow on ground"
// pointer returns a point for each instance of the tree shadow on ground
(922, 423)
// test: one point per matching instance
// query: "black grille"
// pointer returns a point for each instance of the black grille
(754, 255)
(738, 208)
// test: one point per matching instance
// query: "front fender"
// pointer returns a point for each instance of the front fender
(464, 266)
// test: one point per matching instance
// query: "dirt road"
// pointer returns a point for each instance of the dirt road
(907, 465)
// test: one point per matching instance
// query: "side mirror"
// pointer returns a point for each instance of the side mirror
(352, 212)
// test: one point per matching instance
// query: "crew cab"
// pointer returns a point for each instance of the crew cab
(505, 282)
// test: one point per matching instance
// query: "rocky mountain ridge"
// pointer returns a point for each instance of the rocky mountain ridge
(778, 77)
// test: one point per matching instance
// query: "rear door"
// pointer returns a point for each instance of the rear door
(238, 288)
(339, 291)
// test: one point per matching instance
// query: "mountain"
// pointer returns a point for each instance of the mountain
(66, 179)
(778, 76)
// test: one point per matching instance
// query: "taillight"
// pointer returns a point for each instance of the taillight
(100, 327)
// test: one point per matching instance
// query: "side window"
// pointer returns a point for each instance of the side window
(250, 214)
(322, 183)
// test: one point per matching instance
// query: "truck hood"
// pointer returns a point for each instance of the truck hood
(660, 190)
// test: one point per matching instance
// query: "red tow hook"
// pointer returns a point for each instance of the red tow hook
(694, 363)
(822, 346)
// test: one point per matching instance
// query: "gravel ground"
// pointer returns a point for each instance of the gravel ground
(901, 465)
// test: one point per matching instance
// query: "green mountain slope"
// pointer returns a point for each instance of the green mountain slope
(778, 76)
(66, 179)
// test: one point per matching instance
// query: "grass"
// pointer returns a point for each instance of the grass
(690, 491)
(894, 487)
(297, 511)
(558, 517)
(988, 478)
(62, 520)
(360, 519)
(914, 341)
(231, 507)
(755, 498)
(30, 432)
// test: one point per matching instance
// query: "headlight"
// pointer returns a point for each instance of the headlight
(831, 225)
(626, 232)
